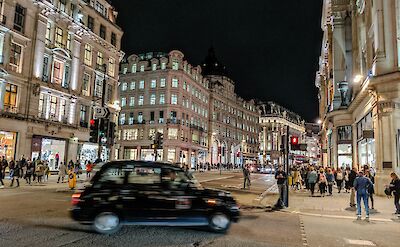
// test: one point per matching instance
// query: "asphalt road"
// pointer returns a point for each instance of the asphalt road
(39, 217)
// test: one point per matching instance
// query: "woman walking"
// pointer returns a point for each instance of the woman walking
(339, 179)
(371, 190)
(29, 171)
(61, 172)
(322, 182)
(394, 188)
(330, 179)
(17, 171)
(312, 178)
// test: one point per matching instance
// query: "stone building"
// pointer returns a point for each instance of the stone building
(273, 123)
(359, 83)
(53, 54)
(162, 92)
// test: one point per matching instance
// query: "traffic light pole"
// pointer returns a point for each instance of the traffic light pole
(287, 166)
(103, 102)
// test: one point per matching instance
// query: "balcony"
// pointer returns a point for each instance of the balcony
(173, 121)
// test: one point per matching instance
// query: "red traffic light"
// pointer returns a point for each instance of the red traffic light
(92, 121)
(294, 140)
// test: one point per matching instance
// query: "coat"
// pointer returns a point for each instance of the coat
(312, 177)
(62, 170)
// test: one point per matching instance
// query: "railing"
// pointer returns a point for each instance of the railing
(173, 121)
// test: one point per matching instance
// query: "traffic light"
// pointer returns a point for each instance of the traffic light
(294, 143)
(159, 140)
(104, 125)
(94, 130)
(111, 133)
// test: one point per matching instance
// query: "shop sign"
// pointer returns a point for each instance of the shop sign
(368, 134)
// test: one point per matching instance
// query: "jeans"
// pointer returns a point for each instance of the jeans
(322, 187)
(312, 188)
(330, 185)
(246, 181)
(364, 196)
(396, 202)
(282, 193)
(339, 184)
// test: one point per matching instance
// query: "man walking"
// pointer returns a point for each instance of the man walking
(246, 177)
(281, 177)
(352, 177)
(362, 184)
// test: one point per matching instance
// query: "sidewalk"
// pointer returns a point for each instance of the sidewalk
(337, 206)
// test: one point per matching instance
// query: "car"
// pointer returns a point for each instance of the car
(150, 193)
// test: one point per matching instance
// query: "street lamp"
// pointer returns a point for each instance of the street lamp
(357, 78)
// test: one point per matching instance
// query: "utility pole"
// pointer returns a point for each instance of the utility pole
(103, 102)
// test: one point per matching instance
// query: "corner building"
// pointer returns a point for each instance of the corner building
(359, 83)
(53, 54)
(162, 92)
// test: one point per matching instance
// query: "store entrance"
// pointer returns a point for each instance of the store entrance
(51, 150)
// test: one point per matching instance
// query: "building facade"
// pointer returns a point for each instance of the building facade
(274, 120)
(198, 114)
(359, 82)
(233, 121)
(55, 56)
(163, 93)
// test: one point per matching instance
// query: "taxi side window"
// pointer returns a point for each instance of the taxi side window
(112, 175)
(144, 175)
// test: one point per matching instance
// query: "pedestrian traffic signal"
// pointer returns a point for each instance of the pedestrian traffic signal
(294, 140)
(94, 130)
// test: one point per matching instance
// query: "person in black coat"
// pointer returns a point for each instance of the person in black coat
(16, 174)
(352, 177)
(394, 188)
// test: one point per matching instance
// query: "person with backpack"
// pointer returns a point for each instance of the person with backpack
(361, 185)
(322, 181)
(312, 178)
(394, 188)
(330, 179)
(339, 179)
(371, 190)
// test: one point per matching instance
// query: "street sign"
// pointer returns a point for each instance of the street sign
(101, 112)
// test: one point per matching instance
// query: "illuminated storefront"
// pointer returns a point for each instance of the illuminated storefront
(49, 149)
(7, 144)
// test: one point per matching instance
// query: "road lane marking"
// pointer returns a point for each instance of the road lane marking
(214, 179)
(359, 242)
(336, 216)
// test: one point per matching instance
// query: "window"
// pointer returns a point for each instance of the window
(113, 39)
(15, 57)
(90, 23)
(100, 8)
(45, 71)
(10, 97)
(162, 99)
(59, 38)
(140, 117)
(153, 84)
(174, 99)
(88, 55)
(140, 102)
(41, 105)
(86, 85)
(48, 33)
(100, 61)
(145, 175)
(98, 87)
(111, 176)
(132, 85)
(132, 101)
(122, 119)
(82, 114)
(161, 117)
(184, 85)
(124, 86)
(58, 71)
(152, 99)
(175, 65)
(172, 133)
(111, 66)
(151, 117)
(124, 70)
(19, 18)
(154, 66)
(130, 134)
(102, 32)
(53, 106)
(162, 82)
(131, 118)
(174, 82)
(61, 113)
(134, 68)
(73, 10)
(69, 42)
(141, 68)
(62, 5)
(163, 65)
(123, 102)
(141, 84)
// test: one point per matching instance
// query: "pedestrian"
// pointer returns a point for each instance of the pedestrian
(71, 178)
(89, 168)
(57, 156)
(322, 181)
(297, 179)
(17, 171)
(29, 172)
(4, 165)
(312, 178)
(339, 179)
(281, 177)
(1, 174)
(371, 189)
(11, 167)
(39, 171)
(61, 172)
(361, 185)
(46, 172)
(352, 177)
(77, 168)
(346, 179)
(330, 179)
(394, 188)
(246, 177)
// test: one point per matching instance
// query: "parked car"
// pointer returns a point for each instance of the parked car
(150, 193)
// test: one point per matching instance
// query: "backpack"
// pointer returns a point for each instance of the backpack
(322, 178)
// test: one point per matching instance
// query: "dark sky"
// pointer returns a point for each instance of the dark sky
(270, 48)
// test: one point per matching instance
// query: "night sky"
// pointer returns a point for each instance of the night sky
(270, 48)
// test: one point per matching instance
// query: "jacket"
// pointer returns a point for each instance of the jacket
(395, 186)
(362, 185)
(312, 177)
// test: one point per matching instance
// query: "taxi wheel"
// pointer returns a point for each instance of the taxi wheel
(106, 223)
(219, 222)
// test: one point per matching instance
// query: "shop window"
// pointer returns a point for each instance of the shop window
(15, 57)
(19, 18)
(10, 97)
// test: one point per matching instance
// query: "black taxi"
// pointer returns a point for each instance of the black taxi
(150, 193)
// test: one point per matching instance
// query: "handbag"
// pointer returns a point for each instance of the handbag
(388, 192)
